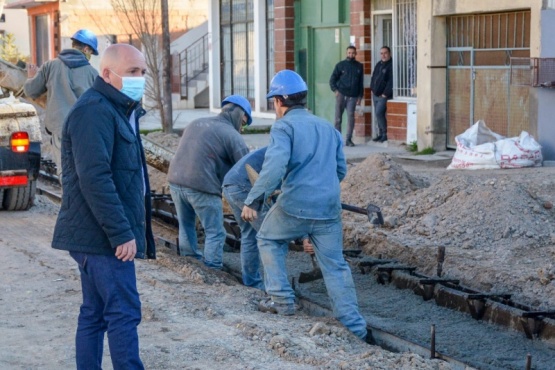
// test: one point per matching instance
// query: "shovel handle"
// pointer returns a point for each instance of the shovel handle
(365, 211)
(313, 259)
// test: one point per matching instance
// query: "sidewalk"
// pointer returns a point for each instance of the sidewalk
(181, 118)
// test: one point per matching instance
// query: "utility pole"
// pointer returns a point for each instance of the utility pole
(166, 110)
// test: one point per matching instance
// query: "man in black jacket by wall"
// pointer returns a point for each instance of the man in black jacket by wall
(347, 81)
(104, 220)
(382, 90)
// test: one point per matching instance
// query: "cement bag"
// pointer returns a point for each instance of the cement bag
(476, 148)
(518, 152)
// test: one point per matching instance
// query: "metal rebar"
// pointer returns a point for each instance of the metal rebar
(433, 344)
(440, 260)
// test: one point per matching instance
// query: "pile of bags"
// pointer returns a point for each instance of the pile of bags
(480, 148)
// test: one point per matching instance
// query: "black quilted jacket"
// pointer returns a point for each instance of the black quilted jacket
(104, 177)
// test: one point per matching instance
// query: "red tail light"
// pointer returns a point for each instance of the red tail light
(20, 142)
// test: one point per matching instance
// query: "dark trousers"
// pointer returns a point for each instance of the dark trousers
(380, 109)
(350, 103)
(110, 303)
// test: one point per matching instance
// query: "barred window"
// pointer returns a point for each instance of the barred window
(404, 49)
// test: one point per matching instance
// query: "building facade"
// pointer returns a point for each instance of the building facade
(452, 59)
(53, 22)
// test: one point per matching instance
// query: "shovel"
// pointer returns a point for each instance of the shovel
(368, 211)
(315, 274)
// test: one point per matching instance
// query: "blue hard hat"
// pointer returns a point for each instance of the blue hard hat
(285, 83)
(242, 102)
(88, 38)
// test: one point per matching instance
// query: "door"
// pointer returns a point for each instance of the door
(328, 48)
(42, 37)
(383, 36)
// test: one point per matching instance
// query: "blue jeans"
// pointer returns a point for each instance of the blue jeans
(110, 303)
(380, 109)
(343, 102)
(278, 228)
(190, 203)
(250, 257)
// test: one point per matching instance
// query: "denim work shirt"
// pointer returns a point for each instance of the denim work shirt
(306, 154)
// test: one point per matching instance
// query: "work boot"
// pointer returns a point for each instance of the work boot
(377, 138)
(267, 305)
(383, 139)
(349, 143)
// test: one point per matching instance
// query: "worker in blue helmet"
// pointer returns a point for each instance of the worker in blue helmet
(207, 150)
(63, 79)
(306, 155)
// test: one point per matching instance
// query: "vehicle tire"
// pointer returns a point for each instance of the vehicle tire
(21, 198)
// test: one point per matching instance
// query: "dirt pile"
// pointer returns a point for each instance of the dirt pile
(497, 226)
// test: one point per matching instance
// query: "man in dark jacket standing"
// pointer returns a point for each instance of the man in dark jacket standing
(208, 148)
(104, 220)
(382, 90)
(64, 79)
(347, 81)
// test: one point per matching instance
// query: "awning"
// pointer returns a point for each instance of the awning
(26, 4)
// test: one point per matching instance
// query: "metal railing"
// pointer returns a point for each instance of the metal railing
(192, 62)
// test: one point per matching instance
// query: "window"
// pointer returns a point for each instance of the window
(237, 35)
(270, 67)
(404, 49)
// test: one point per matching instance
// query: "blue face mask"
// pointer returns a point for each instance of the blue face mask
(133, 87)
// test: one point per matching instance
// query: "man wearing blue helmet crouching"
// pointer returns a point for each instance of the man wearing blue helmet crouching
(63, 79)
(208, 148)
(306, 154)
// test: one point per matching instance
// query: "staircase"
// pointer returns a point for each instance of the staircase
(190, 88)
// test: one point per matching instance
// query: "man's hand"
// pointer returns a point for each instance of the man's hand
(336, 92)
(248, 214)
(307, 246)
(358, 101)
(31, 70)
(126, 251)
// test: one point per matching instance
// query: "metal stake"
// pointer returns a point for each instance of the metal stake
(528, 362)
(440, 260)
(433, 345)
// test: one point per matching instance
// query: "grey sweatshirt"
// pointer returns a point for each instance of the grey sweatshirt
(208, 149)
(64, 80)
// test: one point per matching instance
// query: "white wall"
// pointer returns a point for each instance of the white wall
(17, 23)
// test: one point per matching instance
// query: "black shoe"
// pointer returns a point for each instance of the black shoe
(370, 338)
(377, 138)
(383, 138)
(349, 143)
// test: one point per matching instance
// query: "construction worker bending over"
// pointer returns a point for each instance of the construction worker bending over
(306, 154)
(208, 148)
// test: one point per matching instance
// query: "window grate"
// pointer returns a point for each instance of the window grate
(404, 50)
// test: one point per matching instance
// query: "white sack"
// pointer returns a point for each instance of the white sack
(475, 148)
(480, 148)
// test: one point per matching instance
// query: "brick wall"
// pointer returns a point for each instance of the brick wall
(397, 121)
(284, 44)
(360, 28)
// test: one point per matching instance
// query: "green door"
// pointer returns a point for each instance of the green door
(329, 46)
